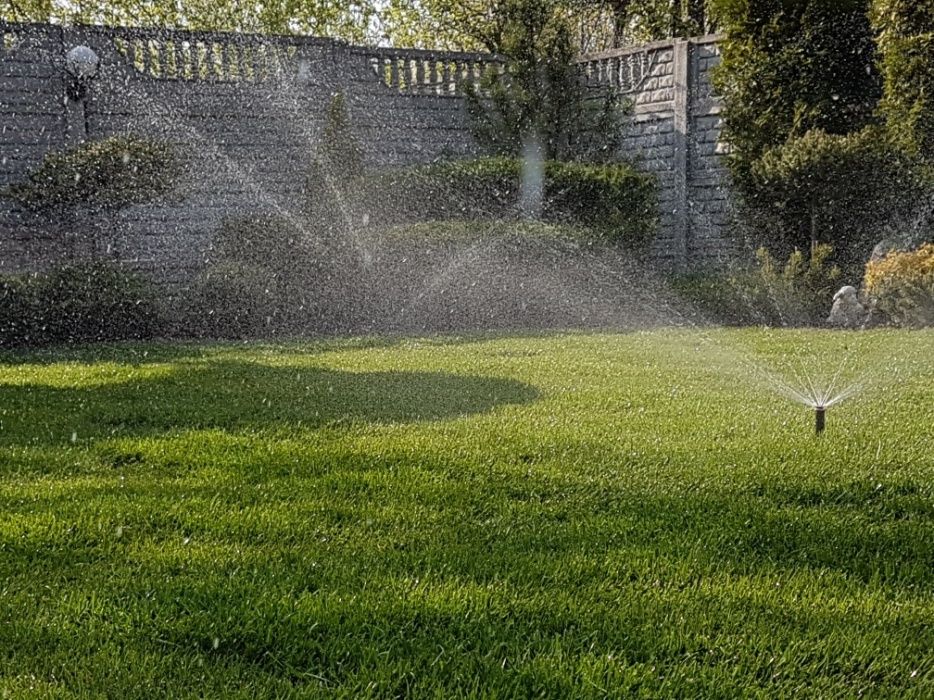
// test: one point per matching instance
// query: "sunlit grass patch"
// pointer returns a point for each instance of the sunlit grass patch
(565, 515)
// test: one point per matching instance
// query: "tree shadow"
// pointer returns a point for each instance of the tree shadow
(239, 396)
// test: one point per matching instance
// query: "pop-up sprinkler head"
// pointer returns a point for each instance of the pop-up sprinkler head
(820, 413)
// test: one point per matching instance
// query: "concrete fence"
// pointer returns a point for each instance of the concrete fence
(674, 132)
(247, 111)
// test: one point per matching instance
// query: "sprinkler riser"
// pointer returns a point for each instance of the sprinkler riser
(820, 416)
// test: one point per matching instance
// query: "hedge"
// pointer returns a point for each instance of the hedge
(110, 173)
(79, 303)
(614, 200)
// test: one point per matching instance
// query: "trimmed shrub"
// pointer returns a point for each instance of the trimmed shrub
(271, 277)
(790, 66)
(19, 313)
(796, 76)
(721, 297)
(233, 300)
(277, 244)
(96, 302)
(111, 173)
(486, 188)
(834, 189)
(901, 287)
(77, 304)
(615, 201)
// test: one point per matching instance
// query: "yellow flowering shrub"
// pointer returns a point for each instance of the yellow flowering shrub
(901, 286)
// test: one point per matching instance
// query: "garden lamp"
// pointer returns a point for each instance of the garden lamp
(81, 64)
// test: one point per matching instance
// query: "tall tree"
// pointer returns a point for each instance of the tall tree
(800, 86)
(905, 30)
(540, 96)
(790, 66)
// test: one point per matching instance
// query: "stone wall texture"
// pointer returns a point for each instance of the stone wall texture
(247, 112)
(674, 131)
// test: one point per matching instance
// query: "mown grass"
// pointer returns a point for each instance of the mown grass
(575, 515)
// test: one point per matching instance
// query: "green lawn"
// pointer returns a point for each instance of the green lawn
(581, 515)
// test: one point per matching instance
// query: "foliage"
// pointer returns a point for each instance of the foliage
(233, 300)
(906, 43)
(901, 286)
(835, 189)
(83, 303)
(108, 174)
(438, 24)
(615, 200)
(289, 275)
(19, 313)
(540, 98)
(277, 243)
(339, 519)
(596, 25)
(353, 20)
(797, 293)
(267, 277)
(721, 297)
(470, 231)
(792, 66)
(802, 87)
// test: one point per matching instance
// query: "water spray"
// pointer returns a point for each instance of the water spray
(820, 415)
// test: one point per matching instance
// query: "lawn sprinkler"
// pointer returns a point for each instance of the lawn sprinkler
(820, 416)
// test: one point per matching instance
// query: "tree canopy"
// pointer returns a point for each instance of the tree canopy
(353, 20)
(442, 24)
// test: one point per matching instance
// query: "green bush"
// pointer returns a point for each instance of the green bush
(539, 97)
(19, 315)
(796, 293)
(791, 66)
(110, 173)
(270, 276)
(233, 300)
(77, 304)
(718, 297)
(901, 287)
(278, 244)
(614, 200)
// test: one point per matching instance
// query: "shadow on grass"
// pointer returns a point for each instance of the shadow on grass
(229, 395)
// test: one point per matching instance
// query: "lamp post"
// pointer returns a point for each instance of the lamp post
(81, 67)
